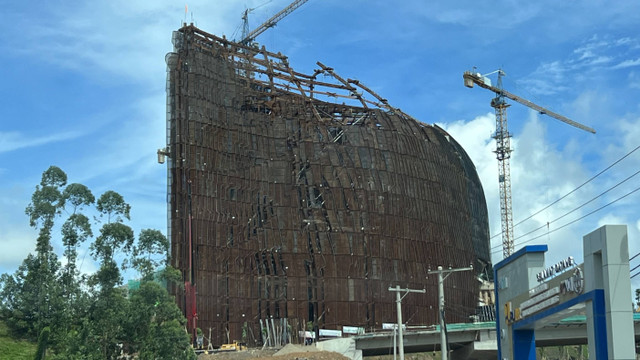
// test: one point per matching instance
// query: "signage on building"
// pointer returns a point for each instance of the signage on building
(574, 284)
(330, 333)
(568, 284)
(561, 266)
(353, 330)
(392, 326)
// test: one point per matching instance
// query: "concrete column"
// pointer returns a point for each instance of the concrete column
(443, 339)
(606, 266)
(400, 334)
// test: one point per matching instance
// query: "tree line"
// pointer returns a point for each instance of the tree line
(90, 316)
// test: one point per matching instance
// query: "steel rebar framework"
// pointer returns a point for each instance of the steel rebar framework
(310, 195)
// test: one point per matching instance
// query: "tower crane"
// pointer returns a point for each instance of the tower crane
(250, 36)
(245, 19)
(503, 144)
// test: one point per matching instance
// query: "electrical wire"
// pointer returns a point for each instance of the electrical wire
(578, 219)
(634, 256)
(572, 191)
(577, 188)
(574, 210)
(579, 207)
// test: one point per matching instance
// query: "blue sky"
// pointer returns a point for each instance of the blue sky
(83, 87)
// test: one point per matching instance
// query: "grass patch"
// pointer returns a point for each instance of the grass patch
(11, 348)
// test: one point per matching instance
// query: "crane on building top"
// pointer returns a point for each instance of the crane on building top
(503, 144)
(245, 19)
(249, 36)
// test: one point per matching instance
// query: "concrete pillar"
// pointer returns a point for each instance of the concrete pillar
(606, 266)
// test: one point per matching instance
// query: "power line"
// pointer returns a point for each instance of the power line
(572, 191)
(580, 186)
(578, 219)
(577, 208)
(634, 256)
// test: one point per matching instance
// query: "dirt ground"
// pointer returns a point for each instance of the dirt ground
(300, 352)
(289, 352)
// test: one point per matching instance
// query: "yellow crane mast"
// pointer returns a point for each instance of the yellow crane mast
(503, 144)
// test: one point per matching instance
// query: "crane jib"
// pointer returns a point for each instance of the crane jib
(478, 80)
(272, 21)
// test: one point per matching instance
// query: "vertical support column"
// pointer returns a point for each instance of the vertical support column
(513, 276)
(597, 328)
(400, 334)
(444, 349)
(606, 266)
(399, 309)
(524, 344)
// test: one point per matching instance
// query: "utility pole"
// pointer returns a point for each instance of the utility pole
(399, 310)
(443, 338)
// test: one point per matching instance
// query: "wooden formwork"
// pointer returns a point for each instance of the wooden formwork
(309, 195)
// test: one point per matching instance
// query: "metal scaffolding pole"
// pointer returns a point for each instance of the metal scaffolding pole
(443, 338)
(399, 310)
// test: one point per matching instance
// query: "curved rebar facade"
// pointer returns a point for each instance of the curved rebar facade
(301, 212)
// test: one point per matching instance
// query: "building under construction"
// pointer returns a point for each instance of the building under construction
(297, 200)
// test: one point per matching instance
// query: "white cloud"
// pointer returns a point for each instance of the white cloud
(586, 64)
(475, 138)
(122, 38)
(589, 106)
(473, 13)
(548, 79)
(633, 80)
(591, 47)
(14, 140)
(611, 219)
(598, 61)
(540, 174)
(16, 243)
(624, 41)
(627, 63)
(17, 239)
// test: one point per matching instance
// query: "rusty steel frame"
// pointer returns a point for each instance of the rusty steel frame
(310, 196)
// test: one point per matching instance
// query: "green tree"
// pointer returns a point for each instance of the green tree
(46, 202)
(151, 245)
(19, 299)
(77, 228)
(155, 321)
(112, 204)
(114, 236)
(108, 312)
(89, 317)
(108, 316)
(31, 297)
(157, 324)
